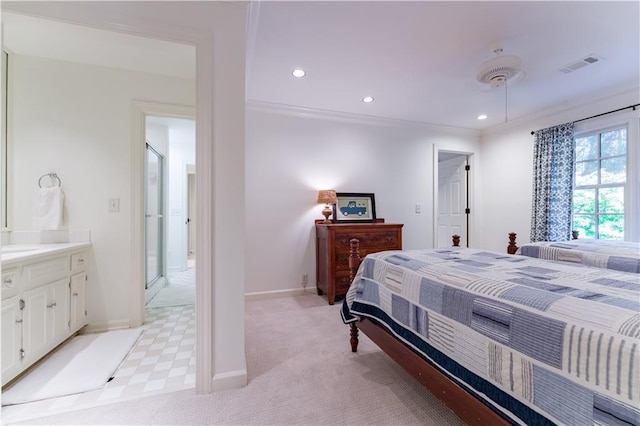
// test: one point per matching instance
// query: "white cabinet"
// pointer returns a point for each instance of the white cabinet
(35, 324)
(11, 336)
(46, 306)
(78, 309)
(45, 318)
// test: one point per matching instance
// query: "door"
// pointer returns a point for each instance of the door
(58, 310)
(35, 322)
(154, 217)
(11, 337)
(452, 199)
(78, 309)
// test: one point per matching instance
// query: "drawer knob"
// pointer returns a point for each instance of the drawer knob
(75, 294)
(7, 281)
(52, 305)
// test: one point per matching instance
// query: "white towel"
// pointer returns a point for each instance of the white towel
(47, 213)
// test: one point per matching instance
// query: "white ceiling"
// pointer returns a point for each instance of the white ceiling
(51, 39)
(417, 59)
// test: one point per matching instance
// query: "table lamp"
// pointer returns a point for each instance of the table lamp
(327, 197)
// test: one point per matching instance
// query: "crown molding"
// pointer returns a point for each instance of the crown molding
(305, 112)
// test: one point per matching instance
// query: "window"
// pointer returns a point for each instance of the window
(599, 184)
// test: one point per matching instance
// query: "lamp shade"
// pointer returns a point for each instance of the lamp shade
(327, 196)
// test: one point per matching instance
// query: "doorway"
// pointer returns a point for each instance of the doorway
(175, 137)
(453, 198)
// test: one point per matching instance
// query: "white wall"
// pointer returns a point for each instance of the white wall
(507, 164)
(181, 153)
(290, 156)
(75, 120)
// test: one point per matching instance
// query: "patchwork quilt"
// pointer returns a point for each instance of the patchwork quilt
(616, 255)
(540, 342)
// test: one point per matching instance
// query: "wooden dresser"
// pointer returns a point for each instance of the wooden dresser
(332, 251)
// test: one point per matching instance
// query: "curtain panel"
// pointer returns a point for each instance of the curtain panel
(553, 167)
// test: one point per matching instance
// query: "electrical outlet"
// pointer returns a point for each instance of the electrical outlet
(305, 280)
(114, 205)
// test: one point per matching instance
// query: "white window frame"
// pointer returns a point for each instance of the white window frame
(631, 120)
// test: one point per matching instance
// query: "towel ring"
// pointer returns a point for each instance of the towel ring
(52, 176)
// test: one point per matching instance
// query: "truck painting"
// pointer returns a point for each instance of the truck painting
(353, 208)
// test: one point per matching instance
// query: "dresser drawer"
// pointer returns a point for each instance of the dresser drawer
(78, 261)
(10, 283)
(342, 282)
(386, 239)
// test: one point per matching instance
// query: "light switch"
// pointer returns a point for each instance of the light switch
(418, 208)
(114, 205)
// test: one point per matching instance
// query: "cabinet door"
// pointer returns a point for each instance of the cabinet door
(58, 307)
(35, 324)
(78, 301)
(11, 338)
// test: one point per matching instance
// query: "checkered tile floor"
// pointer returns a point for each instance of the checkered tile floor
(162, 360)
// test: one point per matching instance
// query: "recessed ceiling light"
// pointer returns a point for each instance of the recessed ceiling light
(482, 117)
(298, 73)
(367, 99)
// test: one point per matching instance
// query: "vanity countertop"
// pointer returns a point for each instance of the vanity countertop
(14, 253)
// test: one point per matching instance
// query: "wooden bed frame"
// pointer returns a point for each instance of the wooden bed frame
(466, 406)
(511, 248)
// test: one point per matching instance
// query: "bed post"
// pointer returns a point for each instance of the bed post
(512, 247)
(354, 258)
(456, 240)
(354, 263)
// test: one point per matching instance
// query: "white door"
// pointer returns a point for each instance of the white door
(78, 301)
(452, 201)
(35, 323)
(11, 337)
(59, 310)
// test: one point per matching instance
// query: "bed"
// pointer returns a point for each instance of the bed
(504, 339)
(609, 254)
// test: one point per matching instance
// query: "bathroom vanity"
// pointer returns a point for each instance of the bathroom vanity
(44, 297)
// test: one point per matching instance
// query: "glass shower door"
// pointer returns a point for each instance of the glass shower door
(154, 217)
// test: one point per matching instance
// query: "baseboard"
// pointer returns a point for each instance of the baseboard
(105, 326)
(231, 380)
(261, 295)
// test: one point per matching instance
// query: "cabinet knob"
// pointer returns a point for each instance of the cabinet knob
(19, 321)
(7, 281)
(52, 305)
(75, 294)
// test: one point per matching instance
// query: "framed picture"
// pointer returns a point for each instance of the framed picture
(353, 207)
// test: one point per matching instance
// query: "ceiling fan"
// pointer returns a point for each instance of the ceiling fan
(501, 71)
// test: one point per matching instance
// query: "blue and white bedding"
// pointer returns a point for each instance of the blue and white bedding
(541, 342)
(617, 255)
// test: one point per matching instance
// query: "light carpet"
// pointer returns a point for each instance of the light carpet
(301, 371)
(83, 363)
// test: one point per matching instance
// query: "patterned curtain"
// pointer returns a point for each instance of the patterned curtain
(553, 165)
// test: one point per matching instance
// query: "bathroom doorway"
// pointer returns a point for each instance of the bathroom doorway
(175, 137)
